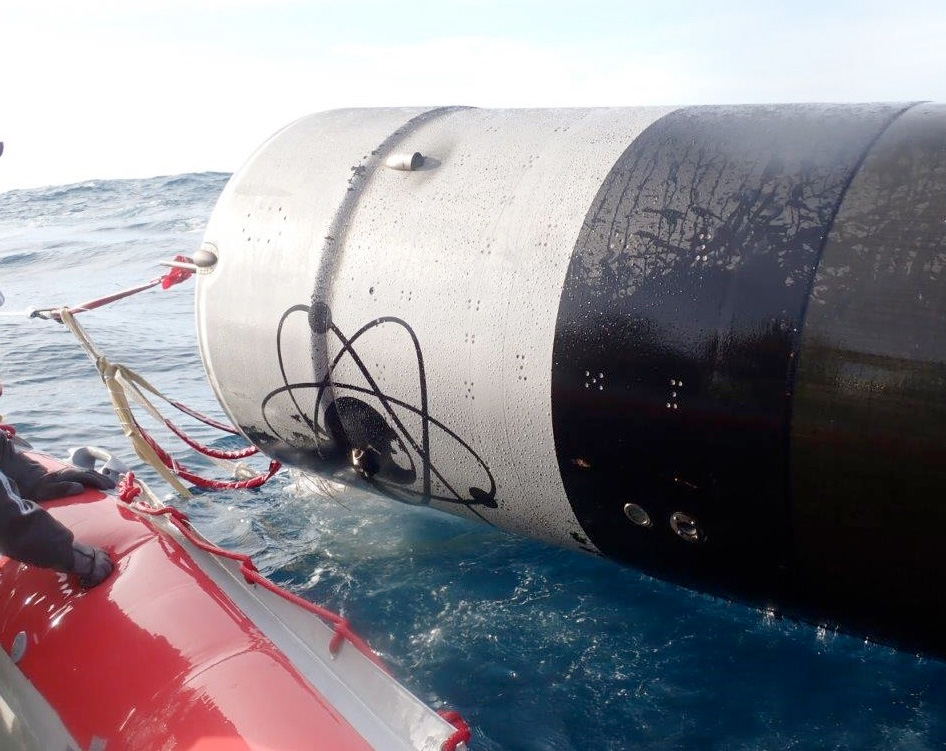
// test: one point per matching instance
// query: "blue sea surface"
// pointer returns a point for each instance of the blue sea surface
(538, 648)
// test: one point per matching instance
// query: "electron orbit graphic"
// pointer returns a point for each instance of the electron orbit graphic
(348, 418)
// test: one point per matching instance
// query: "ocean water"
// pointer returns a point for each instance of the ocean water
(538, 648)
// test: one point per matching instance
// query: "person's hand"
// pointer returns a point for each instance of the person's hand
(69, 481)
(91, 565)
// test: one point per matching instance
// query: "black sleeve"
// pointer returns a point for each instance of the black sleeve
(27, 532)
(21, 469)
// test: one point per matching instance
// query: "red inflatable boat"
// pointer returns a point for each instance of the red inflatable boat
(186, 647)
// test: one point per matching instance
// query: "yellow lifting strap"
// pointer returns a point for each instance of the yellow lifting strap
(120, 381)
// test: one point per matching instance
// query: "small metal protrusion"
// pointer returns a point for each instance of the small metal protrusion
(205, 257)
(637, 515)
(18, 649)
(85, 457)
(204, 260)
(405, 161)
(364, 462)
(686, 527)
(187, 266)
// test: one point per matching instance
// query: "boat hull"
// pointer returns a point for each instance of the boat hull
(176, 650)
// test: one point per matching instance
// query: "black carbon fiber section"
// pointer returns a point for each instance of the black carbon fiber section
(869, 428)
(677, 333)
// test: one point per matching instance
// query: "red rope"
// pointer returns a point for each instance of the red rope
(127, 489)
(174, 276)
(8, 429)
(203, 482)
(177, 275)
(249, 484)
(206, 450)
(462, 733)
(251, 574)
(99, 302)
(203, 418)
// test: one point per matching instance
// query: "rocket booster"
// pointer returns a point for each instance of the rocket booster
(709, 342)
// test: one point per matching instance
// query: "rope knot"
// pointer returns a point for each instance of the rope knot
(176, 275)
(128, 489)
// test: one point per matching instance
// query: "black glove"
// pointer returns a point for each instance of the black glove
(69, 481)
(90, 564)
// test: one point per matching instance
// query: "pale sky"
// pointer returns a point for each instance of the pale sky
(137, 88)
